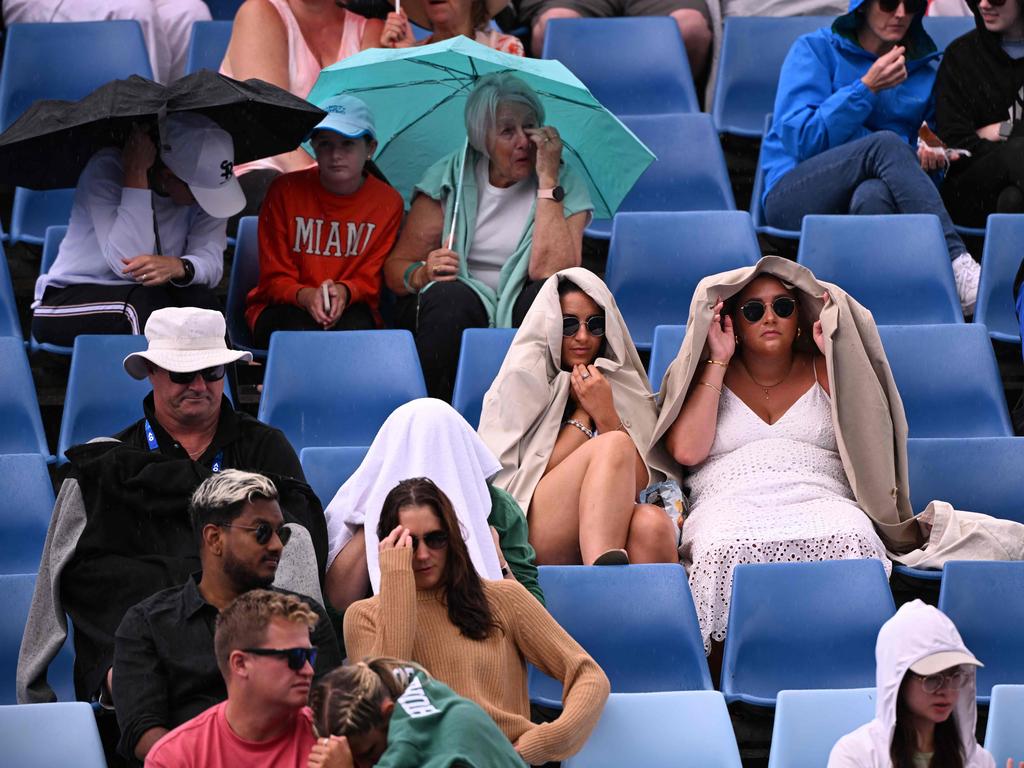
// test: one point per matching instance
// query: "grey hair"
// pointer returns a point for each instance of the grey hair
(221, 497)
(483, 101)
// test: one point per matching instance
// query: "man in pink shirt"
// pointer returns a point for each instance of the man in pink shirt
(264, 652)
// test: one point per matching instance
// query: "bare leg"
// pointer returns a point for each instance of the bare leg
(696, 34)
(652, 536)
(540, 27)
(348, 579)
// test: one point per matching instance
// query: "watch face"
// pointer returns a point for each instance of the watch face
(558, 194)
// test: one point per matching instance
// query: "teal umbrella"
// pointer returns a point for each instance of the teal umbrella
(418, 97)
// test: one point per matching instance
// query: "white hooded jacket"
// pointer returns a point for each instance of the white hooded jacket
(916, 631)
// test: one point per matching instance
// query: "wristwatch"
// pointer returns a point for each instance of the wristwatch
(553, 193)
(188, 277)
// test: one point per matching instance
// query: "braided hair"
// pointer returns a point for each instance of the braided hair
(348, 700)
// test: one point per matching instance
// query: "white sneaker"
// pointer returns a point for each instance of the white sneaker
(966, 272)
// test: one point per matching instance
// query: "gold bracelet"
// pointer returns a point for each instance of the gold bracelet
(717, 362)
(705, 384)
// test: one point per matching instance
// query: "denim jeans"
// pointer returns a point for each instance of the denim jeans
(877, 174)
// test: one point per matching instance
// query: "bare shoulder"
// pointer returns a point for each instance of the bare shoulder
(258, 17)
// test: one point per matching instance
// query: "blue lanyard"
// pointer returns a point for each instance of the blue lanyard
(154, 445)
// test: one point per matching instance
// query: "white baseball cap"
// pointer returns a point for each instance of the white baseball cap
(348, 116)
(936, 662)
(183, 339)
(202, 154)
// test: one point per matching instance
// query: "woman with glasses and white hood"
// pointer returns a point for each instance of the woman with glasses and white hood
(925, 710)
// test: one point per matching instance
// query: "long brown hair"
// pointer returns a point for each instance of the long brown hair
(463, 591)
(949, 752)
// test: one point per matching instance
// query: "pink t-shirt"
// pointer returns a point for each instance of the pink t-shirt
(207, 741)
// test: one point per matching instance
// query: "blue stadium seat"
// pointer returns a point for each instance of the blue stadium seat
(17, 591)
(223, 10)
(945, 29)
(800, 626)
(606, 55)
(25, 509)
(1004, 738)
(753, 49)
(689, 174)
(47, 735)
(986, 602)
(897, 265)
(331, 389)
(245, 273)
(482, 353)
(637, 622)
(757, 192)
(655, 261)
(809, 723)
(327, 469)
(207, 46)
(928, 363)
(667, 341)
(999, 264)
(22, 430)
(33, 212)
(10, 323)
(661, 729)
(51, 245)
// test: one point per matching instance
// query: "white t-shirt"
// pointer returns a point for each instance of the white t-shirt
(501, 216)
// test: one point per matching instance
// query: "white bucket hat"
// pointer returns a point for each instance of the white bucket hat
(183, 339)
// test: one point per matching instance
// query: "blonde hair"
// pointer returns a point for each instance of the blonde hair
(348, 700)
(243, 624)
(221, 497)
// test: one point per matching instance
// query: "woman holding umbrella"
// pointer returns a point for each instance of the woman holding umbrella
(447, 19)
(487, 225)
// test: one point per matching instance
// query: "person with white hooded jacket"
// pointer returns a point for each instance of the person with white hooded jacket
(925, 712)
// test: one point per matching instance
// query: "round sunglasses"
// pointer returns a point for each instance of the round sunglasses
(571, 324)
(434, 540)
(954, 680)
(263, 531)
(782, 306)
(216, 373)
(296, 657)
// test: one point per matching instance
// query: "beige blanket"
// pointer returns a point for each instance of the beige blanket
(953, 534)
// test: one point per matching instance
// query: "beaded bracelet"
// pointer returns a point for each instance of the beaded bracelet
(588, 432)
(409, 272)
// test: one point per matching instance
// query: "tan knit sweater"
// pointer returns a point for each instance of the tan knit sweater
(407, 624)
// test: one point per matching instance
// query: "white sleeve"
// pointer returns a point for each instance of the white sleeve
(207, 238)
(122, 217)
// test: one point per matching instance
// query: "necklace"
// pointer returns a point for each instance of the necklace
(766, 387)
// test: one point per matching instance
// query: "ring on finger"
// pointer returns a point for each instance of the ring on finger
(585, 375)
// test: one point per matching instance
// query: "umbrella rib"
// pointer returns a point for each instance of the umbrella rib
(423, 116)
(593, 184)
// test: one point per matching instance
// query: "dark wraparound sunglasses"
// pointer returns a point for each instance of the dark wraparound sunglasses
(433, 540)
(753, 310)
(297, 657)
(209, 374)
(910, 6)
(263, 531)
(594, 323)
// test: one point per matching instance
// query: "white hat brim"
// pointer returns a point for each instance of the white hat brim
(937, 662)
(222, 202)
(181, 361)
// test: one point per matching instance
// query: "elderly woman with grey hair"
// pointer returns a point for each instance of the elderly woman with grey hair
(520, 219)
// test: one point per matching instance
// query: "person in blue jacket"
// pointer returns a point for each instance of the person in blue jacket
(851, 99)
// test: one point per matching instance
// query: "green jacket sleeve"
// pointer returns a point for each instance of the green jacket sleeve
(510, 523)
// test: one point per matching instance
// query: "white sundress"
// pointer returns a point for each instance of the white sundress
(769, 493)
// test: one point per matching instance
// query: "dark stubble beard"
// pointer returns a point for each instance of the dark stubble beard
(242, 577)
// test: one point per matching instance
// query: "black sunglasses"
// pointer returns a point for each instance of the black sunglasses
(782, 306)
(209, 374)
(594, 323)
(433, 540)
(297, 657)
(263, 531)
(910, 6)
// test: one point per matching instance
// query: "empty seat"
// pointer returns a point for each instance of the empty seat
(34, 211)
(688, 175)
(1004, 737)
(22, 430)
(999, 264)
(26, 503)
(809, 723)
(207, 46)
(480, 357)
(638, 623)
(895, 265)
(661, 729)
(633, 66)
(327, 469)
(17, 591)
(52, 239)
(656, 260)
(948, 379)
(799, 626)
(337, 388)
(245, 273)
(48, 735)
(10, 324)
(945, 29)
(667, 341)
(986, 602)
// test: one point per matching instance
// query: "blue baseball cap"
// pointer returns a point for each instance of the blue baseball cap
(348, 116)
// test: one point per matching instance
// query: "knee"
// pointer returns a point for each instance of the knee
(890, 143)
(455, 301)
(615, 446)
(651, 524)
(694, 28)
(1013, 155)
(540, 24)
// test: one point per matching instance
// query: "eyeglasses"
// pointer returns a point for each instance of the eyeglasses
(954, 680)
(914, 7)
(209, 374)
(594, 323)
(297, 657)
(433, 540)
(264, 531)
(782, 306)
(997, 3)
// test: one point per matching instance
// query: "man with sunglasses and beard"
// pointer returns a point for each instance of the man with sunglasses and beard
(165, 670)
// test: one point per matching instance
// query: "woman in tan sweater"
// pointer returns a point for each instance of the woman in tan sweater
(476, 636)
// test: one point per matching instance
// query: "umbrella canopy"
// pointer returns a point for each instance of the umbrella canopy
(418, 97)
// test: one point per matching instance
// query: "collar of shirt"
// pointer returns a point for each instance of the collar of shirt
(227, 431)
(192, 599)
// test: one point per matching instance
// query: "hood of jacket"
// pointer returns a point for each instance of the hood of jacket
(993, 41)
(920, 46)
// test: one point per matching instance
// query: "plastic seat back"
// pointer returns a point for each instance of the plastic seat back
(633, 66)
(34, 211)
(667, 341)
(207, 45)
(52, 239)
(661, 729)
(17, 590)
(930, 364)
(337, 388)
(480, 358)
(245, 273)
(638, 623)
(999, 264)
(10, 323)
(25, 510)
(809, 723)
(945, 29)
(327, 469)
(757, 192)
(224, 10)
(983, 599)
(803, 626)
(47, 735)
(22, 430)
(1004, 738)
(896, 265)
(656, 260)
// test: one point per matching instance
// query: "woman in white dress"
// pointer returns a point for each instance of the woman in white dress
(766, 480)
